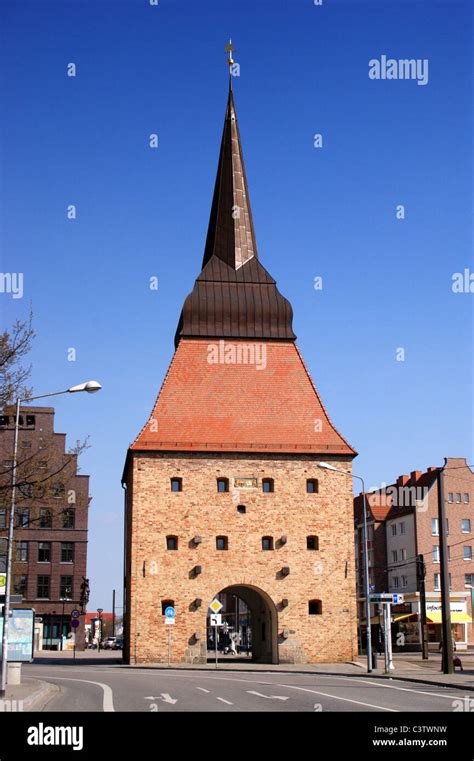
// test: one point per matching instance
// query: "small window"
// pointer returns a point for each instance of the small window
(222, 485)
(241, 509)
(26, 444)
(65, 588)
(166, 604)
(450, 496)
(176, 484)
(42, 464)
(315, 607)
(437, 582)
(312, 543)
(22, 518)
(466, 526)
(44, 552)
(402, 527)
(267, 543)
(404, 581)
(30, 421)
(67, 552)
(468, 579)
(434, 527)
(46, 518)
(435, 553)
(43, 585)
(57, 490)
(467, 553)
(22, 552)
(458, 499)
(312, 485)
(222, 543)
(20, 584)
(466, 498)
(171, 542)
(3, 519)
(394, 529)
(403, 554)
(396, 582)
(3, 421)
(394, 556)
(268, 485)
(26, 490)
(69, 517)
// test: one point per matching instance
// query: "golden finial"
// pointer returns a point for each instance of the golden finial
(229, 49)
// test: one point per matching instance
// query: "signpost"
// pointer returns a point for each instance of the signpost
(216, 619)
(169, 621)
(385, 600)
(74, 624)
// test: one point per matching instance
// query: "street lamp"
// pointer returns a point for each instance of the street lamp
(91, 387)
(99, 611)
(327, 466)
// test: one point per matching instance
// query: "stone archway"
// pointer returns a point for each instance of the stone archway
(263, 620)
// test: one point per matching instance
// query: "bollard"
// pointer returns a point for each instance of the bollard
(374, 660)
(14, 673)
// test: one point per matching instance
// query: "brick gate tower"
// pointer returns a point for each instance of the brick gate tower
(223, 493)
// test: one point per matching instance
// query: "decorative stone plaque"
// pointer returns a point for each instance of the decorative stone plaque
(245, 483)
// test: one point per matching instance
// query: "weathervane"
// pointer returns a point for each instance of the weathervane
(229, 48)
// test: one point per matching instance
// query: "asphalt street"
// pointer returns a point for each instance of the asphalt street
(113, 688)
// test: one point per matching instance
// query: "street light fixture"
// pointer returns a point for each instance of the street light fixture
(90, 387)
(328, 466)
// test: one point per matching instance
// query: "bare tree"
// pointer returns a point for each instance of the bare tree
(14, 347)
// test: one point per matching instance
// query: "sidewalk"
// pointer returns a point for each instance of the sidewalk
(27, 696)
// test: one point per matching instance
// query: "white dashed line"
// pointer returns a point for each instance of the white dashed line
(225, 701)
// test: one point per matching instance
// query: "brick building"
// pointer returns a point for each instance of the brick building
(408, 526)
(51, 516)
(223, 493)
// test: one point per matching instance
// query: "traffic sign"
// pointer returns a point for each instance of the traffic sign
(75, 613)
(395, 599)
(3, 582)
(169, 620)
(385, 597)
(215, 605)
(216, 619)
(170, 612)
(75, 623)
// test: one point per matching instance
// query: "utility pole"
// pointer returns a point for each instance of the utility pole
(421, 573)
(113, 613)
(447, 640)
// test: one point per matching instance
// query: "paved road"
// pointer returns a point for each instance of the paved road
(115, 688)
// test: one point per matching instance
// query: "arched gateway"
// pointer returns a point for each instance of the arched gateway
(249, 622)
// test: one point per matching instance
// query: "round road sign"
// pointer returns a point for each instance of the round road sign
(75, 623)
(170, 612)
(75, 613)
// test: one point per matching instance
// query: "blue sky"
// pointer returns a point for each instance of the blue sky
(328, 212)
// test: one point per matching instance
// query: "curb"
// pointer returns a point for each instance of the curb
(43, 692)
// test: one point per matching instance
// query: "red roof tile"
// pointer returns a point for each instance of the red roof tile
(238, 407)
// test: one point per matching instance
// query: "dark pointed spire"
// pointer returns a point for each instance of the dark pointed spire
(234, 296)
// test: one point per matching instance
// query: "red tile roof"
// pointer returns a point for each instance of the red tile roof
(238, 407)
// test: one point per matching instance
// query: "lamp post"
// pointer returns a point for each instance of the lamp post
(99, 638)
(90, 387)
(327, 466)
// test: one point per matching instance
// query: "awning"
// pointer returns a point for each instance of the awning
(456, 618)
(404, 616)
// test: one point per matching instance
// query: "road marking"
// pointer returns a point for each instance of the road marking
(108, 702)
(270, 697)
(168, 699)
(336, 697)
(363, 680)
(225, 701)
(202, 689)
